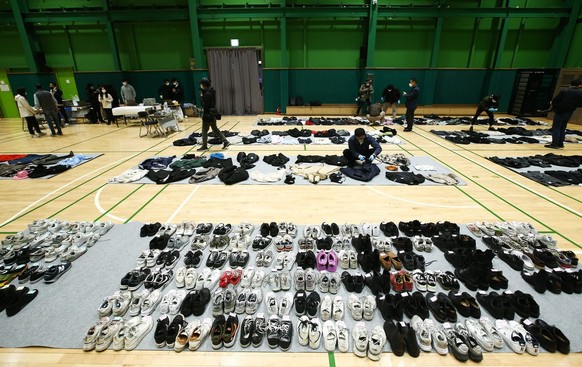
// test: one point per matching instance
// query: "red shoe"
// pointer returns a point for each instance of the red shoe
(225, 279)
(397, 282)
(407, 280)
(236, 276)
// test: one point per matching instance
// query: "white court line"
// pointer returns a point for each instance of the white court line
(509, 179)
(100, 208)
(171, 219)
(56, 190)
(423, 204)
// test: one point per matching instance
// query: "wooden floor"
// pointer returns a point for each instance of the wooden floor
(493, 193)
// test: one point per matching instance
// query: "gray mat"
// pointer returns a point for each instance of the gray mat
(379, 180)
(92, 155)
(63, 311)
(521, 171)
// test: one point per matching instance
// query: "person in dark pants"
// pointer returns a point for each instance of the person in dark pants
(165, 91)
(58, 94)
(488, 105)
(564, 105)
(362, 148)
(27, 113)
(106, 100)
(390, 98)
(411, 103)
(365, 95)
(177, 91)
(208, 97)
(94, 115)
(45, 100)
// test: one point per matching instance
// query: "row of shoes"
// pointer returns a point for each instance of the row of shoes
(190, 278)
(508, 303)
(555, 281)
(274, 229)
(117, 333)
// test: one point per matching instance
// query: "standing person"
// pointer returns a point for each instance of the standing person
(58, 94)
(390, 98)
(128, 96)
(411, 103)
(45, 100)
(165, 91)
(27, 113)
(106, 100)
(208, 97)
(362, 148)
(177, 91)
(365, 95)
(564, 105)
(93, 100)
(488, 105)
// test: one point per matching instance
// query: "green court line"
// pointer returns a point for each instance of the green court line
(79, 185)
(95, 137)
(494, 194)
(76, 201)
(401, 147)
(146, 203)
(480, 203)
(119, 202)
(331, 359)
(8, 232)
(304, 146)
(488, 169)
(547, 232)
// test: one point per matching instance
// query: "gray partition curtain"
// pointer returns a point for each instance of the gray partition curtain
(235, 76)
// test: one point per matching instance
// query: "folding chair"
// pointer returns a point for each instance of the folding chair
(150, 124)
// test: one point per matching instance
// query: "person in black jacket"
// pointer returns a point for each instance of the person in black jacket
(177, 91)
(488, 105)
(564, 105)
(58, 94)
(390, 98)
(94, 114)
(411, 103)
(362, 148)
(208, 97)
(165, 91)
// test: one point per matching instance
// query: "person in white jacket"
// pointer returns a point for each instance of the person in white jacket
(106, 101)
(27, 112)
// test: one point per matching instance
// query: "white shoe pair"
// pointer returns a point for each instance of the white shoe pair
(368, 344)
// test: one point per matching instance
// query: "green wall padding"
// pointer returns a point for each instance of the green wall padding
(271, 90)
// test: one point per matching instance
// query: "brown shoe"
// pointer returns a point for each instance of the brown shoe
(395, 260)
(385, 260)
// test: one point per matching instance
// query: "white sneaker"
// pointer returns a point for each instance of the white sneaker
(286, 281)
(315, 333)
(343, 336)
(512, 338)
(275, 281)
(181, 277)
(212, 280)
(438, 336)
(190, 278)
(253, 300)
(478, 332)
(375, 230)
(137, 301)
(329, 336)
(121, 302)
(135, 334)
(165, 303)
(176, 302)
(324, 280)
(367, 229)
(229, 299)
(150, 303)
(257, 281)
(272, 304)
(218, 303)
(90, 338)
(241, 301)
(303, 328)
(199, 334)
(531, 344)
(335, 282)
(360, 338)
(355, 306)
(201, 278)
(280, 260)
(492, 331)
(419, 280)
(289, 261)
(376, 343)
(184, 335)
(102, 227)
(369, 307)
(344, 259)
(353, 259)
(107, 333)
(247, 278)
(310, 280)
(326, 307)
(299, 279)
(338, 308)
(286, 304)
(423, 335)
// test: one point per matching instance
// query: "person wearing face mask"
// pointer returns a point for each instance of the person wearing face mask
(487, 105)
(364, 95)
(362, 148)
(58, 94)
(208, 98)
(390, 98)
(128, 95)
(106, 101)
(411, 103)
(177, 91)
(165, 91)
(27, 112)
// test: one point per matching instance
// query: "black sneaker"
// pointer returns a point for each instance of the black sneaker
(37, 276)
(259, 330)
(273, 229)
(300, 303)
(246, 331)
(55, 272)
(285, 333)
(25, 275)
(230, 330)
(161, 332)
(137, 278)
(312, 304)
(171, 259)
(226, 144)
(273, 331)
(22, 297)
(217, 332)
(177, 324)
(200, 150)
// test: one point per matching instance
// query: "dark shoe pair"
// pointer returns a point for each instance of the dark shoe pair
(498, 305)
(216, 259)
(306, 259)
(465, 304)
(193, 259)
(13, 299)
(389, 229)
(411, 260)
(378, 283)
(550, 337)
(370, 261)
(353, 283)
(402, 338)
(402, 243)
(150, 229)
(415, 304)
(391, 306)
(195, 303)
(238, 259)
(159, 242)
(441, 307)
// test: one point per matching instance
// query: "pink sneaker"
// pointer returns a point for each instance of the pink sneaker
(321, 260)
(332, 261)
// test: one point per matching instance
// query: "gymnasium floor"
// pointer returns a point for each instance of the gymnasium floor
(493, 193)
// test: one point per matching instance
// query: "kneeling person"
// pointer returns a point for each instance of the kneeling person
(362, 148)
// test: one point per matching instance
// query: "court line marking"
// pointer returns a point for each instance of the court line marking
(55, 191)
(173, 216)
(145, 204)
(107, 212)
(423, 204)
